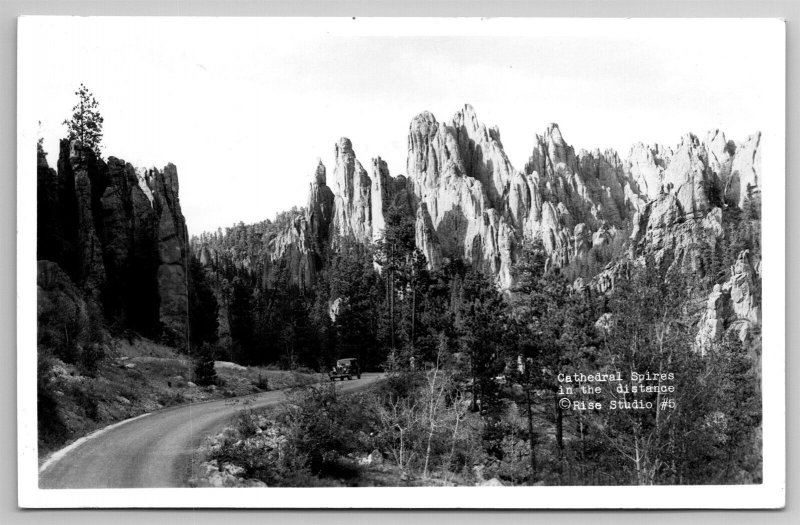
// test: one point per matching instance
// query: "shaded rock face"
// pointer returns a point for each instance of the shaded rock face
(172, 275)
(458, 171)
(292, 252)
(50, 242)
(572, 196)
(482, 154)
(320, 210)
(120, 236)
(591, 186)
(745, 176)
(78, 169)
(387, 192)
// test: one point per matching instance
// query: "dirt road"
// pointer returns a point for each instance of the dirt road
(155, 450)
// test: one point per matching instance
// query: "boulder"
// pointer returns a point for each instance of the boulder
(494, 482)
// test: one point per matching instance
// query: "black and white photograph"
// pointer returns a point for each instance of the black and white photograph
(401, 262)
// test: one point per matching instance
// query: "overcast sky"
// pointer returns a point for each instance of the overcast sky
(245, 107)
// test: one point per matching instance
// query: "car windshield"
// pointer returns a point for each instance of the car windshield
(343, 362)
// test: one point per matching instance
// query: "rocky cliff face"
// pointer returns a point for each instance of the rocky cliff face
(320, 209)
(120, 236)
(733, 307)
(353, 206)
(686, 190)
(459, 172)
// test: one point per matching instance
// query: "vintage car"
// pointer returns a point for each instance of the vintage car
(345, 368)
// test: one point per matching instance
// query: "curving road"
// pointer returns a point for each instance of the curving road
(155, 450)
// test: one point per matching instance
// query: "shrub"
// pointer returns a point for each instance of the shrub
(52, 430)
(322, 426)
(89, 359)
(87, 401)
(204, 371)
(168, 400)
(260, 447)
(262, 383)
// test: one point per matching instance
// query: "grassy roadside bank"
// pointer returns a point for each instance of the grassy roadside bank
(137, 376)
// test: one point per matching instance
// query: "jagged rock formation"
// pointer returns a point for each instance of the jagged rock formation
(733, 307)
(460, 173)
(320, 211)
(693, 183)
(172, 275)
(292, 251)
(353, 209)
(120, 236)
(469, 203)
(388, 191)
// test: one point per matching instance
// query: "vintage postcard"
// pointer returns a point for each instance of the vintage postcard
(401, 263)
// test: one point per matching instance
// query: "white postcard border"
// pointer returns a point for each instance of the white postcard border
(770, 494)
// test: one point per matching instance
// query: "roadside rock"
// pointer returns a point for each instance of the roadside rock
(228, 364)
(229, 476)
(373, 458)
(494, 482)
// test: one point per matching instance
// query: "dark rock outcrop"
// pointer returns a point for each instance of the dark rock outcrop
(80, 176)
(320, 210)
(120, 236)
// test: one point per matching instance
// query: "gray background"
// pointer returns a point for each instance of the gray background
(10, 9)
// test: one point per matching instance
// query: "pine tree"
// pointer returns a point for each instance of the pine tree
(551, 331)
(204, 371)
(86, 124)
(480, 323)
(394, 254)
(203, 307)
(241, 312)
